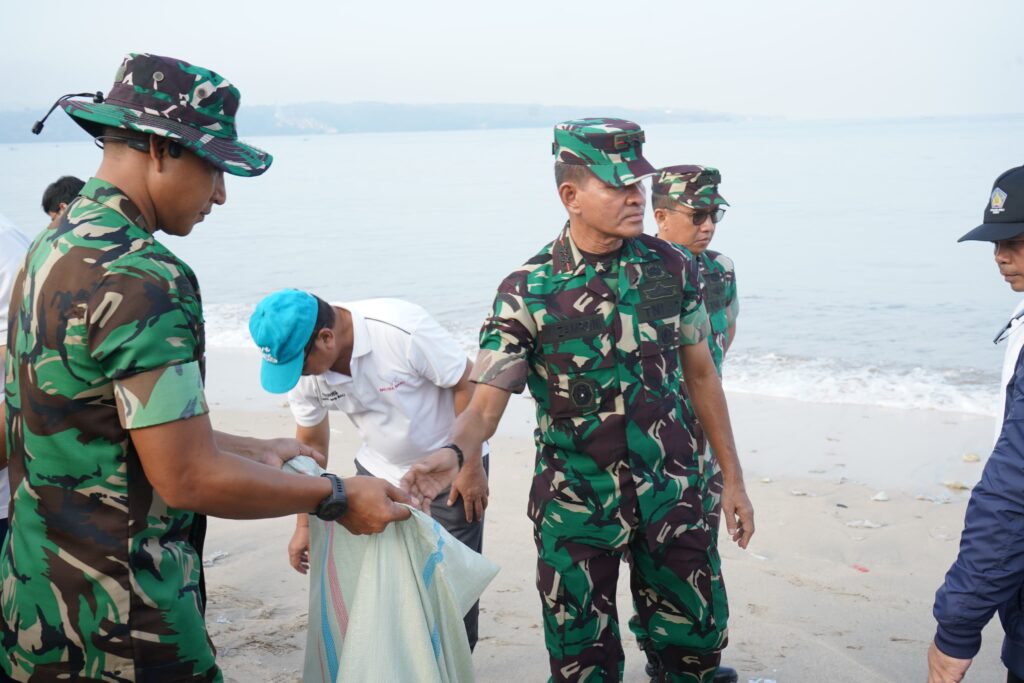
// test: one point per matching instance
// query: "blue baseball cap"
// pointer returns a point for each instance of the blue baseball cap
(281, 326)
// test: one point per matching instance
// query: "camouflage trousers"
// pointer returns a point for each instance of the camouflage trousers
(712, 474)
(678, 595)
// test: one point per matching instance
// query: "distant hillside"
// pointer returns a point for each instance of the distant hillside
(366, 117)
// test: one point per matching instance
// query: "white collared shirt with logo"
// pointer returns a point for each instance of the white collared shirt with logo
(399, 396)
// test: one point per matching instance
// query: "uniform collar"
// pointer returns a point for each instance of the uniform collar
(102, 192)
(569, 262)
(360, 334)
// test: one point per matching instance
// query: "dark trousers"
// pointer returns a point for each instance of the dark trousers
(1013, 678)
(453, 519)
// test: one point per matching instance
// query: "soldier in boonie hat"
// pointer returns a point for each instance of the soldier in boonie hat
(113, 443)
(176, 100)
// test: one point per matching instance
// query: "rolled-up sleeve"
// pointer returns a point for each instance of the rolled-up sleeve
(694, 326)
(143, 332)
(507, 338)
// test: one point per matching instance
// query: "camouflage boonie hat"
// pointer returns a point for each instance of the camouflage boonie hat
(610, 148)
(690, 185)
(171, 98)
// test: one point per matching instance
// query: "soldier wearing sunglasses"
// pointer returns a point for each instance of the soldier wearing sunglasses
(687, 208)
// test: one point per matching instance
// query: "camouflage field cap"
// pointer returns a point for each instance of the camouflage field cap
(690, 185)
(610, 148)
(171, 98)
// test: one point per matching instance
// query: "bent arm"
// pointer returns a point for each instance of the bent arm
(480, 419)
(462, 392)
(989, 568)
(184, 464)
(705, 388)
(317, 437)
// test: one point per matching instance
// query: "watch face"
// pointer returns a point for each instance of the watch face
(330, 511)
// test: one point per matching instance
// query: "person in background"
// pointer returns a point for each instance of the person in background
(988, 574)
(687, 208)
(59, 194)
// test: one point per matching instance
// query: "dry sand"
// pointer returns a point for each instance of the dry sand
(813, 599)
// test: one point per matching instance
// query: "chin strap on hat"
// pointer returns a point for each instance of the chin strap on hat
(97, 98)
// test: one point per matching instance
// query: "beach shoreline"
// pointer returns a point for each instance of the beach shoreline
(835, 586)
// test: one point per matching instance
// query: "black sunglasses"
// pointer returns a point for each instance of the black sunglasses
(698, 217)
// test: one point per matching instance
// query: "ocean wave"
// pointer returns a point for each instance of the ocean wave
(818, 380)
(830, 380)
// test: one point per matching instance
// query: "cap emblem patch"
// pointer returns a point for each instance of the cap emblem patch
(998, 201)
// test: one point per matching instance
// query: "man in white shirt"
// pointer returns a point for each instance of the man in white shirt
(391, 368)
(13, 245)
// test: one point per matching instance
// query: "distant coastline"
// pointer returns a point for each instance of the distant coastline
(324, 118)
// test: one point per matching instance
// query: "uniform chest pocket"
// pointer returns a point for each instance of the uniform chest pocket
(579, 357)
(715, 285)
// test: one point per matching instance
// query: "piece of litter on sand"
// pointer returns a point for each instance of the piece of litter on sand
(213, 557)
(842, 505)
(223, 620)
(794, 492)
(761, 680)
(757, 556)
(766, 480)
(880, 497)
(941, 536)
(943, 500)
(864, 524)
(956, 485)
(971, 457)
(861, 568)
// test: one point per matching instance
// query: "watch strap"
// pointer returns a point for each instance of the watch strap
(458, 453)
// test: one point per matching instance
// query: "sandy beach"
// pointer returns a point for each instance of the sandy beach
(836, 586)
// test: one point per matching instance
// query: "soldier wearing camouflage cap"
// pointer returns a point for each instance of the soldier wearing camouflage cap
(112, 456)
(687, 208)
(602, 324)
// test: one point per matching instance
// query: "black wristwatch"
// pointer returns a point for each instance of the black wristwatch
(458, 453)
(336, 504)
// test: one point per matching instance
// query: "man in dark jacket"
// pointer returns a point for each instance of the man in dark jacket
(988, 574)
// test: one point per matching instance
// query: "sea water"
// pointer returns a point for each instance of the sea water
(852, 286)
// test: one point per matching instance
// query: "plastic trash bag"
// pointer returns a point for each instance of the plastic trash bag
(389, 607)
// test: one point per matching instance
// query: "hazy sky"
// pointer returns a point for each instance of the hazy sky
(794, 58)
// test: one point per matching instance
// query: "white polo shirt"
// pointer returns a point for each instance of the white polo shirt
(399, 395)
(13, 245)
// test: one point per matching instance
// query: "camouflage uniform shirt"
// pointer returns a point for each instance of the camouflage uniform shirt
(600, 354)
(720, 299)
(100, 579)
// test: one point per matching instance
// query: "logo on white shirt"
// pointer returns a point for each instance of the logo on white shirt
(391, 387)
